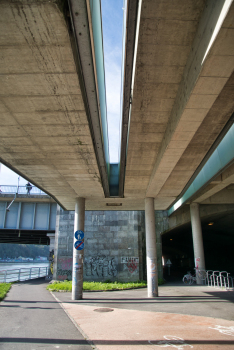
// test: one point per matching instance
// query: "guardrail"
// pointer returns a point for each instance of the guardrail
(220, 279)
(23, 274)
(4, 189)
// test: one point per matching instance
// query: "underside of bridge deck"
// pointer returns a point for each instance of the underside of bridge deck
(25, 236)
(182, 95)
(177, 97)
(46, 132)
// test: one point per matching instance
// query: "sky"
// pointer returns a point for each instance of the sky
(112, 22)
(8, 177)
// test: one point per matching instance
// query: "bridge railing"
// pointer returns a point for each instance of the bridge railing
(4, 189)
(23, 274)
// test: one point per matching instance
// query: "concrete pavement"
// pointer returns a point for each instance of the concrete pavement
(31, 319)
(183, 317)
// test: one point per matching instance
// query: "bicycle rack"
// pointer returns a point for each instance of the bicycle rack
(215, 279)
(219, 279)
(232, 283)
(224, 280)
(209, 277)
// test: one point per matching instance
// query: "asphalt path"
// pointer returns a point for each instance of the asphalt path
(181, 317)
(173, 298)
(30, 319)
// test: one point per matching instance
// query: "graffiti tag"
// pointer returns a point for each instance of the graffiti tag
(65, 263)
(224, 330)
(51, 260)
(100, 266)
(171, 341)
(64, 274)
(130, 263)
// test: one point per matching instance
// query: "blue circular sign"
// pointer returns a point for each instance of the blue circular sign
(79, 235)
(79, 245)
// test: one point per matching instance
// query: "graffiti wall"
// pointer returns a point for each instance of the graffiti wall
(100, 266)
(64, 270)
(109, 238)
(131, 264)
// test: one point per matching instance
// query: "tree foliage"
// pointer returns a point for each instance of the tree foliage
(24, 250)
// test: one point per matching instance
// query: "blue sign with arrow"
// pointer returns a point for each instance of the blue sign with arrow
(79, 235)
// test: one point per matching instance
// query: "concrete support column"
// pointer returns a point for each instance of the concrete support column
(197, 239)
(51, 256)
(151, 253)
(77, 270)
(52, 240)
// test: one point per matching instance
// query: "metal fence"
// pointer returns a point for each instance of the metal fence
(220, 279)
(20, 190)
(23, 274)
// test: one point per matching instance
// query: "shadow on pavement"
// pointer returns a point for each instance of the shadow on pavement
(114, 342)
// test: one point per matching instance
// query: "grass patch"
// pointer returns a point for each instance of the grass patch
(4, 288)
(102, 286)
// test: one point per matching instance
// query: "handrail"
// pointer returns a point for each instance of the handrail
(23, 274)
(10, 189)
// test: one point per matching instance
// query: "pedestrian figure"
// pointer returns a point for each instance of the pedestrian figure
(28, 187)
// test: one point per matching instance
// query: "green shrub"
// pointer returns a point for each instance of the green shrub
(4, 288)
(107, 285)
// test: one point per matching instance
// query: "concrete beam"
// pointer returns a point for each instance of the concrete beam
(214, 191)
(182, 216)
(46, 133)
(225, 196)
(196, 94)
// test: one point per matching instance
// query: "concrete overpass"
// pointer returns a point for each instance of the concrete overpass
(179, 87)
(177, 102)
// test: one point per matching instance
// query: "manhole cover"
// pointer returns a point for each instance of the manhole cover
(103, 309)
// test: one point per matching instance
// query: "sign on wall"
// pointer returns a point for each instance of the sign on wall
(129, 259)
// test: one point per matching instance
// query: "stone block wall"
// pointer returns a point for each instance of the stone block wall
(63, 248)
(113, 245)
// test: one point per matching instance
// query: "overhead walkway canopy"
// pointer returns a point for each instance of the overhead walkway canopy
(177, 98)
